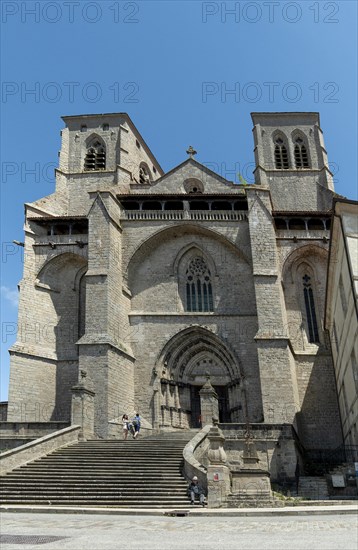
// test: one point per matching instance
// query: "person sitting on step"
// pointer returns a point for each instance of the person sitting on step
(195, 489)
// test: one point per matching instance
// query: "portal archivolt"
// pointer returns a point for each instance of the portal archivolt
(182, 369)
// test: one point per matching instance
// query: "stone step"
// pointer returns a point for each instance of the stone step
(112, 460)
(97, 475)
(129, 489)
(313, 487)
(89, 476)
(82, 498)
(125, 501)
(105, 465)
(98, 470)
(175, 504)
(129, 443)
(131, 451)
(115, 456)
(96, 496)
(127, 456)
(79, 487)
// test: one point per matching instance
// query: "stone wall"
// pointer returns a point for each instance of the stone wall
(14, 434)
(275, 444)
(3, 411)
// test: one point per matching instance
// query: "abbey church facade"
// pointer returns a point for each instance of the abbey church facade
(142, 284)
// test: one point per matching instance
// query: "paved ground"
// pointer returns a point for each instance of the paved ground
(107, 532)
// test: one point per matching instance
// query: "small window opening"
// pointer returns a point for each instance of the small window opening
(315, 224)
(61, 229)
(301, 157)
(221, 205)
(280, 223)
(105, 127)
(173, 205)
(83, 128)
(241, 205)
(137, 143)
(152, 205)
(154, 170)
(297, 224)
(281, 156)
(198, 205)
(193, 185)
(131, 205)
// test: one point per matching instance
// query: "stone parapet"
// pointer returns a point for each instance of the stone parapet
(194, 453)
(14, 434)
(36, 449)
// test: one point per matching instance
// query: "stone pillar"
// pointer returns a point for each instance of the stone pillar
(218, 474)
(156, 407)
(156, 400)
(208, 403)
(105, 348)
(82, 410)
(276, 362)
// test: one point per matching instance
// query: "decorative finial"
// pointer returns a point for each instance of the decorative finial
(191, 151)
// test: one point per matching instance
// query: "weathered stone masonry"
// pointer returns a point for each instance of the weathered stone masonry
(148, 282)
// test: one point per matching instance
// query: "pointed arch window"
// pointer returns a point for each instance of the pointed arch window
(281, 155)
(313, 336)
(301, 156)
(95, 157)
(199, 292)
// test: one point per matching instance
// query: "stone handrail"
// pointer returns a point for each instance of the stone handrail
(30, 429)
(38, 448)
(192, 467)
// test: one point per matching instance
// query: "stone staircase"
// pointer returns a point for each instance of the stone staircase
(313, 488)
(141, 473)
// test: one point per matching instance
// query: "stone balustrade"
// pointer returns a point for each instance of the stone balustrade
(195, 215)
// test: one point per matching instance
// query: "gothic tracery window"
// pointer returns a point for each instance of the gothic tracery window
(199, 293)
(281, 156)
(301, 156)
(95, 157)
(310, 310)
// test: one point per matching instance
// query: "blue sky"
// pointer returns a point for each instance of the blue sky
(171, 66)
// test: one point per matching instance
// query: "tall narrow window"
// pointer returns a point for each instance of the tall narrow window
(301, 157)
(95, 157)
(310, 310)
(343, 296)
(281, 156)
(199, 293)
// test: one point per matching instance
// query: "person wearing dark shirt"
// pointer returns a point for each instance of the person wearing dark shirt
(195, 490)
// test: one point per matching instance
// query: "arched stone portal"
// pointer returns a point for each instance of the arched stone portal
(181, 371)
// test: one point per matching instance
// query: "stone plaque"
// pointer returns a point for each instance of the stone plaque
(338, 480)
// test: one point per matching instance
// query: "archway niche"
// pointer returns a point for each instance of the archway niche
(183, 368)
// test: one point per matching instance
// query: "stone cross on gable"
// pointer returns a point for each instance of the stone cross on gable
(191, 151)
